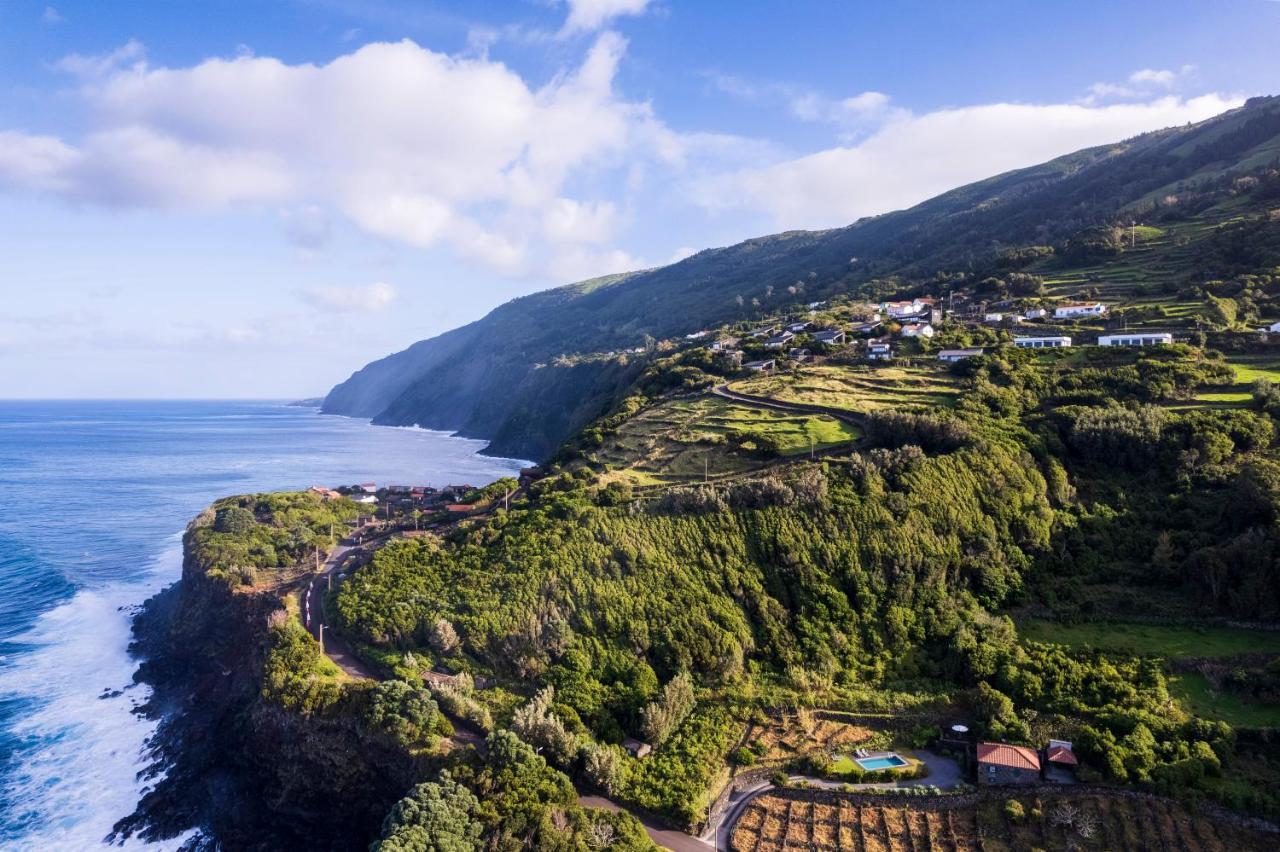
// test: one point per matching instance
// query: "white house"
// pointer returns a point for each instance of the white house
(1133, 338)
(959, 354)
(779, 340)
(829, 337)
(917, 329)
(993, 318)
(797, 327)
(363, 498)
(879, 349)
(1274, 328)
(1079, 309)
(898, 310)
(1060, 342)
(759, 366)
(1037, 313)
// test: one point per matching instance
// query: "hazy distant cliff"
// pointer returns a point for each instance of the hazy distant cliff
(496, 379)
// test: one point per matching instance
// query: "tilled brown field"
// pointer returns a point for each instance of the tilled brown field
(1097, 822)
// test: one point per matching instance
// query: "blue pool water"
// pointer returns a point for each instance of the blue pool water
(871, 763)
(93, 500)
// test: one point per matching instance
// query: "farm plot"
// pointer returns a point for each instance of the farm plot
(787, 737)
(689, 439)
(861, 389)
(799, 821)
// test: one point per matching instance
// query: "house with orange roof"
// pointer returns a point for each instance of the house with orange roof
(1002, 763)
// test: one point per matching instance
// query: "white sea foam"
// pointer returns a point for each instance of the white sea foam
(78, 774)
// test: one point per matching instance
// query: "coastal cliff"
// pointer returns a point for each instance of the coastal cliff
(231, 765)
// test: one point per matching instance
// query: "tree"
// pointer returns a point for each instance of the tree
(661, 717)
(443, 637)
(235, 520)
(401, 711)
(438, 816)
(603, 768)
(536, 724)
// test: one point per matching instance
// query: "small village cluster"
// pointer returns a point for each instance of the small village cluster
(877, 329)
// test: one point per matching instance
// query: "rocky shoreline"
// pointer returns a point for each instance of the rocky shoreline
(228, 767)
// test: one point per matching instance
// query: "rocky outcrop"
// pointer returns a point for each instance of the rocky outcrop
(240, 771)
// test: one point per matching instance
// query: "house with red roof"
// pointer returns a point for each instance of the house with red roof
(1002, 763)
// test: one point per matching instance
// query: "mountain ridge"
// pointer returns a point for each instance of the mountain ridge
(505, 377)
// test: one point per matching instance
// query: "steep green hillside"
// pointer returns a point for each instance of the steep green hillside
(875, 577)
(536, 369)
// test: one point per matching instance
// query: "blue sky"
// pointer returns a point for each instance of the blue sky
(223, 199)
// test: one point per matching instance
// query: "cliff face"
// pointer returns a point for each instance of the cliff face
(496, 378)
(245, 773)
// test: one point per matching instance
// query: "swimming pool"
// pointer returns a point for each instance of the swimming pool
(887, 761)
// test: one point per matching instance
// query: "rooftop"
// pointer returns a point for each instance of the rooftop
(1011, 756)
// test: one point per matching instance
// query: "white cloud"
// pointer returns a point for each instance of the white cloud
(591, 15)
(411, 145)
(1160, 77)
(915, 157)
(100, 65)
(51, 16)
(374, 297)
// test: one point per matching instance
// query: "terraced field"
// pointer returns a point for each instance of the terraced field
(681, 441)
(792, 821)
(861, 389)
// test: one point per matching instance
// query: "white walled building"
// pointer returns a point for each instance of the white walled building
(1134, 338)
(1060, 342)
(1079, 309)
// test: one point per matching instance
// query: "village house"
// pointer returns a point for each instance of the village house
(778, 341)
(1079, 309)
(879, 349)
(368, 487)
(1133, 338)
(363, 498)
(800, 355)
(1274, 328)
(1036, 313)
(797, 327)
(993, 317)
(829, 337)
(868, 327)
(1001, 763)
(697, 335)
(1060, 761)
(764, 331)
(764, 366)
(917, 329)
(954, 355)
(324, 493)
(1055, 342)
(901, 310)
(731, 359)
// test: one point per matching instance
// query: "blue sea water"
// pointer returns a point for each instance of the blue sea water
(93, 500)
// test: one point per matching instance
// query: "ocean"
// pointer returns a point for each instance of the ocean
(93, 500)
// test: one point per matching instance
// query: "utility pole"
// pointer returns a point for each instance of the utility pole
(321, 638)
(317, 557)
(810, 448)
(330, 576)
(706, 469)
(1133, 233)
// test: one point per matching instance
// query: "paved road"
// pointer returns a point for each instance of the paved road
(845, 415)
(313, 614)
(667, 838)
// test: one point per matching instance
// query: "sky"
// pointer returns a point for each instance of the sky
(218, 199)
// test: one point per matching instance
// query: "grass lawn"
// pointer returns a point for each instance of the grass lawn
(1197, 695)
(1168, 641)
